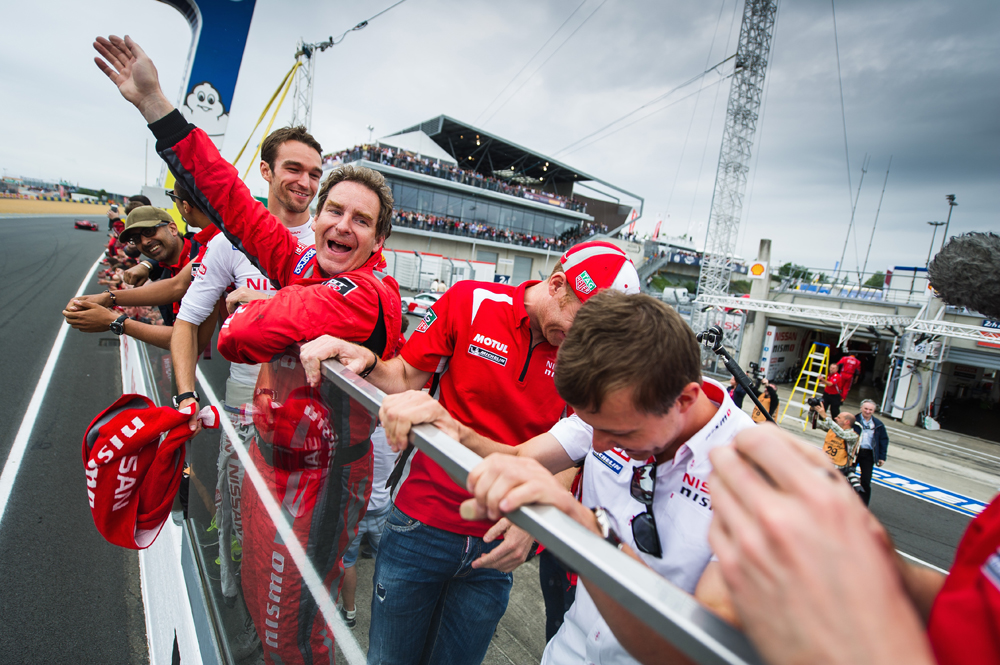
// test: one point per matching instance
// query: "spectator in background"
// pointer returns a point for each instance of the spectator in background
(851, 368)
(873, 446)
(841, 443)
(736, 392)
(154, 232)
(834, 391)
(768, 397)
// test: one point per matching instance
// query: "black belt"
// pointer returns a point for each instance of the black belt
(295, 459)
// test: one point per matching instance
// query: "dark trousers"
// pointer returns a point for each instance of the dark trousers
(557, 592)
(866, 460)
(831, 402)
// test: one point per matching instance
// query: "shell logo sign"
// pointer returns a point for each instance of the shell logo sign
(757, 270)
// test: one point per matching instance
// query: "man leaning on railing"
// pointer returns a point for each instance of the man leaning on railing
(645, 423)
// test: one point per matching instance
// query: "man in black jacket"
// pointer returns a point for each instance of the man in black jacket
(874, 444)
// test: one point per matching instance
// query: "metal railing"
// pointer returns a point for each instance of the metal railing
(671, 612)
(668, 610)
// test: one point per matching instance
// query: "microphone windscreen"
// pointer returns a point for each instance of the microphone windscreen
(966, 273)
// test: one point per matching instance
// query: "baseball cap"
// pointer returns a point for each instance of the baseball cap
(595, 265)
(133, 457)
(143, 217)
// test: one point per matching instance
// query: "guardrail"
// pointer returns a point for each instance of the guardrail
(220, 619)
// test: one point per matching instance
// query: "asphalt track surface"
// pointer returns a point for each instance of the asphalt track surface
(67, 595)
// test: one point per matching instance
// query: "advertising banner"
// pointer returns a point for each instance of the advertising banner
(782, 348)
(219, 31)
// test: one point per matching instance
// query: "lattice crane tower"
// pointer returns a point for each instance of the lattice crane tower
(737, 138)
(302, 95)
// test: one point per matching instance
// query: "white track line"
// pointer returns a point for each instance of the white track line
(16, 456)
(342, 634)
(922, 562)
(944, 444)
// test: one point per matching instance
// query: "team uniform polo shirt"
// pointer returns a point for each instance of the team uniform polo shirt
(682, 507)
(222, 268)
(964, 625)
(479, 336)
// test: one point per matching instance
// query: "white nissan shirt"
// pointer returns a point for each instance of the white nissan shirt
(682, 507)
(223, 266)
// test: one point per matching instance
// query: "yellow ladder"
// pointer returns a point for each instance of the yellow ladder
(811, 379)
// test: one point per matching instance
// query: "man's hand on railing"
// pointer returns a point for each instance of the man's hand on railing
(88, 316)
(400, 412)
(76, 304)
(352, 356)
(511, 552)
(503, 483)
(243, 295)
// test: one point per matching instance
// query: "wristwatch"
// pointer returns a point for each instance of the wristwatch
(118, 325)
(607, 531)
(183, 396)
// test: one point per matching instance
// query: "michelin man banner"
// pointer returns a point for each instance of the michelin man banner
(219, 31)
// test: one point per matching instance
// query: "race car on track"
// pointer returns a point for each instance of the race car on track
(419, 303)
(85, 224)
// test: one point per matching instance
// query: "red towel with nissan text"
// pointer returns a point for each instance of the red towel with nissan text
(133, 455)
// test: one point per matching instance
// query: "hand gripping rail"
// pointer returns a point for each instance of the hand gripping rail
(672, 613)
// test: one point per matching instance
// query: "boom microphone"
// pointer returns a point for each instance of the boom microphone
(966, 273)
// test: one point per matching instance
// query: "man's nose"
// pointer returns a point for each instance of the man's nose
(602, 443)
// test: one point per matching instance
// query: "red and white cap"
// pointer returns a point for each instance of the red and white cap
(133, 456)
(595, 265)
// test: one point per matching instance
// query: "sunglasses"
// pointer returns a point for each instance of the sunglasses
(147, 232)
(644, 524)
(171, 194)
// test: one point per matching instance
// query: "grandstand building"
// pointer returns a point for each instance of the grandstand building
(470, 204)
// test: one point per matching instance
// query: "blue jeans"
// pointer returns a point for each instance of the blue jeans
(428, 604)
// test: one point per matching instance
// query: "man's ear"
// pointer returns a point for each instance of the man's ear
(556, 281)
(172, 226)
(688, 396)
(265, 171)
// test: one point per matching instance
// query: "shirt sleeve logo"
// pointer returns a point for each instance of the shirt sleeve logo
(429, 318)
(301, 265)
(341, 285)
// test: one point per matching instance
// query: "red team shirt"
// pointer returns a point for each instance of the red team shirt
(479, 335)
(964, 625)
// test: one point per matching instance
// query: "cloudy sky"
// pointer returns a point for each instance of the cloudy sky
(921, 83)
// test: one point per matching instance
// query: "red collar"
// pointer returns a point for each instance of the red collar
(206, 234)
(182, 260)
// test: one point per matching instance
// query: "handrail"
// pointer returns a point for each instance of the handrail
(672, 613)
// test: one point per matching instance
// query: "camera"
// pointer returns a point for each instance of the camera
(711, 337)
(114, 207)
(814, 401)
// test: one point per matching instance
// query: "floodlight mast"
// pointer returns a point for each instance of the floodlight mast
(742, 113)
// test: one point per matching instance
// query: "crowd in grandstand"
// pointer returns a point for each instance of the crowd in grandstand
(443, 224)
(780, 546)
(403, 159)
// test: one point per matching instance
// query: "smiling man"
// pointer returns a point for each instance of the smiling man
(327, 289)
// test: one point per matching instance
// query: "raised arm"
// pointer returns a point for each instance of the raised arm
(194, 159)
(131, 70)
